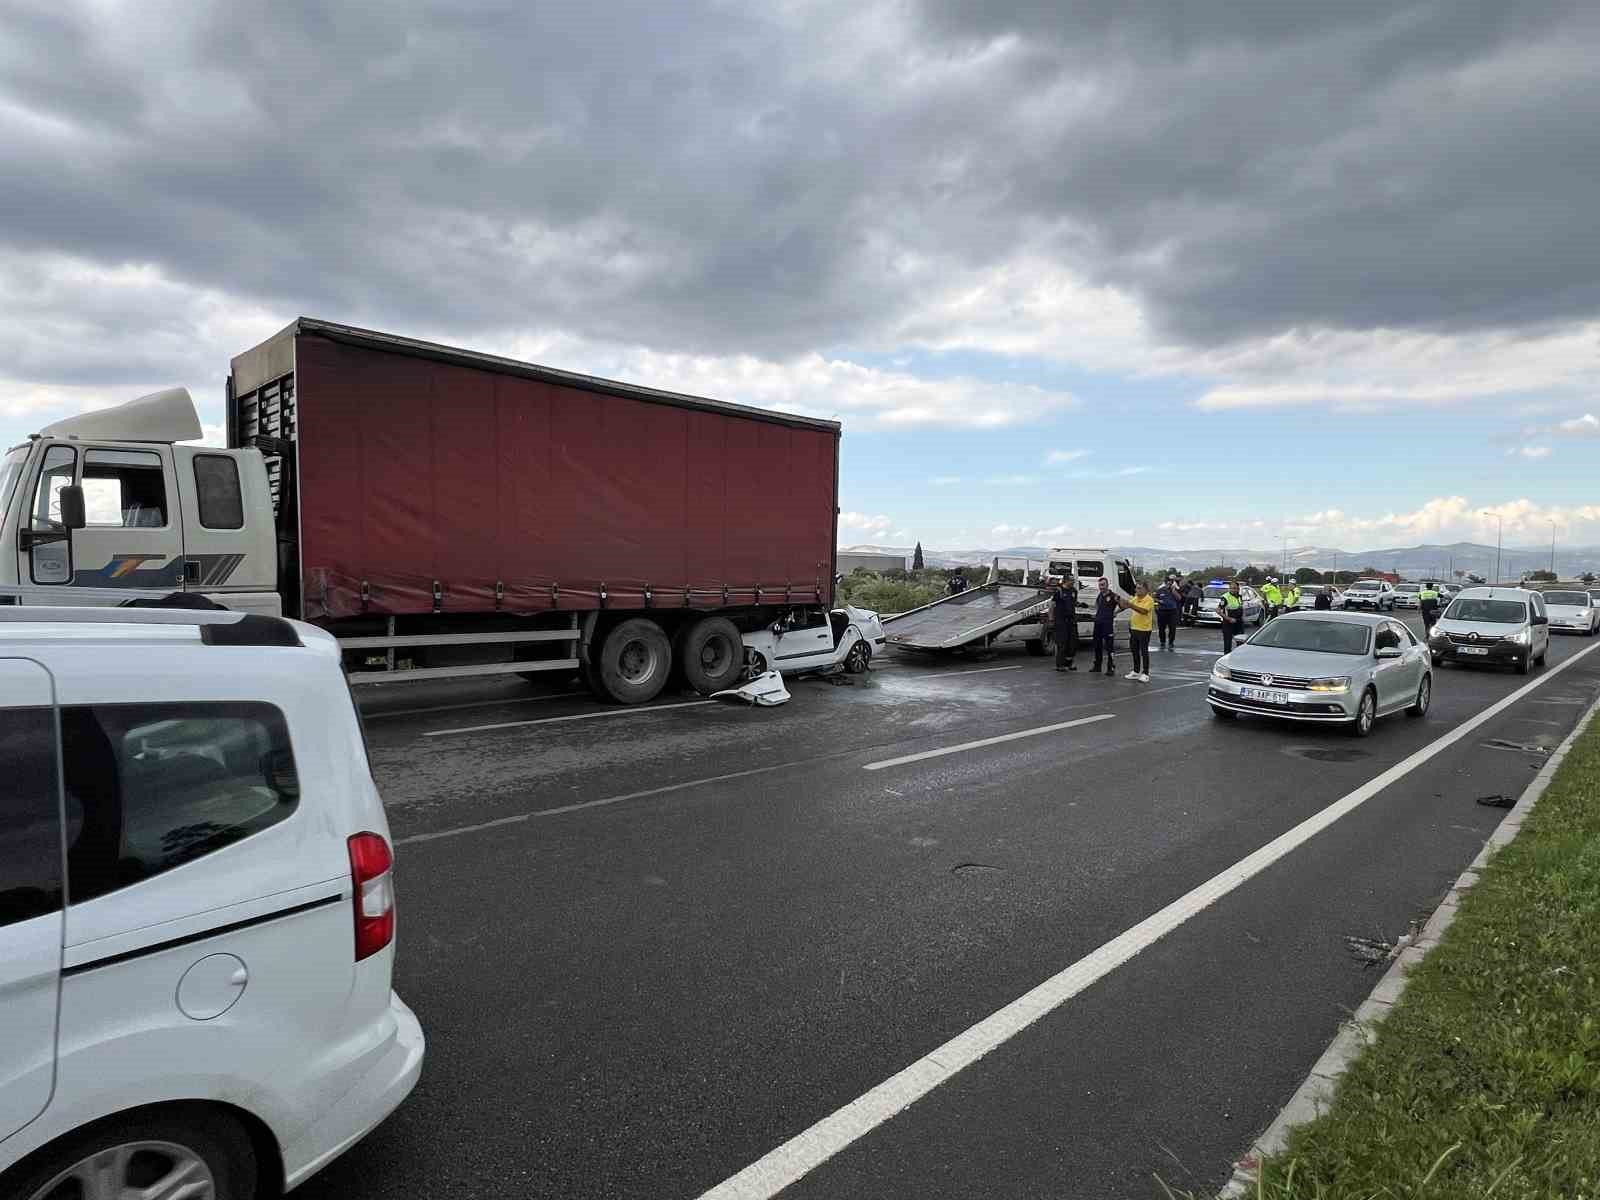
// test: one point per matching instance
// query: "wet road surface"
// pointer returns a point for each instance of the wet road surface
(649, 947)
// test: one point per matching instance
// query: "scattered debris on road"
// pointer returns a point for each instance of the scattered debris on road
(764, 691)
(1497, 801)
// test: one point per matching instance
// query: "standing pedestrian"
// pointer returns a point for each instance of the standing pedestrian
(1231, 612)
(1324, 601)
(1428, 601)
(1142, 609)
(1106, 606)
(1064, 619)
(1191, 600)
(1169, 603)
(1271, 596)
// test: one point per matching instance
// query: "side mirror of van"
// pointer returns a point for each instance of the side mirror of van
(73, 515)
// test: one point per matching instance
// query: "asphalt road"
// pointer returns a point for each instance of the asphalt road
(651, 946)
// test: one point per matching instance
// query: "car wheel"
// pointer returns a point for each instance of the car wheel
(193, 1153)
(857, 660)
(1525, 664)
(1223, 714)
(1424, 698)
(1366, 715)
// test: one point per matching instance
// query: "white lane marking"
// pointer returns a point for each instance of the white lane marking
(413, 712)
(809, 1149)
(977, 671)
(519, 818)
(594, 716)
(992, 741)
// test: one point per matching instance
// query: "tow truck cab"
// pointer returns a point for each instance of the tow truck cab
(111, 506)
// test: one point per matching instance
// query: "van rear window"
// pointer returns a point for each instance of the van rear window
(150, 787)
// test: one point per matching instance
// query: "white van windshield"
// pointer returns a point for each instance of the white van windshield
(1494, 612)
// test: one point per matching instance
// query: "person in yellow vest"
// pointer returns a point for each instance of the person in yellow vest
(1291, 597)
(1272, 596)
(1231, 614)
(1428, 601)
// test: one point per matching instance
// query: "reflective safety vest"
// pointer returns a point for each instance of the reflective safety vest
(1233, 603)
(1272, 594)
(1428, 594)
(1292, 597)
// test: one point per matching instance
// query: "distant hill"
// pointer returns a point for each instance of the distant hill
(1414, 561)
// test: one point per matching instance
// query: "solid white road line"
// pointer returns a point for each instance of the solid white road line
(594, 716)
(810, 1149)
(414, 712)
(993, 741)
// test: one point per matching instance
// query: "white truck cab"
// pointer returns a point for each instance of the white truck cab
(1088, 567)
(112, 506)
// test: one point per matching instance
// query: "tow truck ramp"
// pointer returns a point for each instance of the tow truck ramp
(975, 618)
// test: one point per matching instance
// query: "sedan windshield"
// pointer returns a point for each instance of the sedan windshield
(1493, 612)
(1326, 637)
(1579, 599)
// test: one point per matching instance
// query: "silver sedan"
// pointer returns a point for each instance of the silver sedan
(1324, 667)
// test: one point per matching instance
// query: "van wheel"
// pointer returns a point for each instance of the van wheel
(196, 1152)
(634, 662)
(711, 655)
(1543, 654)
(1525, 664)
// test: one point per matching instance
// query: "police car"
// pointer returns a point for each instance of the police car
(197, 908)
(1255, 609)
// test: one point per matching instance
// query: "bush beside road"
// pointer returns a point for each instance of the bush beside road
(1485, 1078)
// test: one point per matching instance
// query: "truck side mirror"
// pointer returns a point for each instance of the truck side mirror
(73, 515)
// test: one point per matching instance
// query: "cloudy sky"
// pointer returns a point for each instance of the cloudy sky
(1069, 272)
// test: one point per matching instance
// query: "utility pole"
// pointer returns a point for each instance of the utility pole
(1552, 549)
(1499, 538)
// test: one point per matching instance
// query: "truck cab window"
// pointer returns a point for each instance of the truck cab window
(124, 489)
(60, 464)
(216, 484)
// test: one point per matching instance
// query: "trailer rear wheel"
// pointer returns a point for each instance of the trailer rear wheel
(635, 661)
(711, 655)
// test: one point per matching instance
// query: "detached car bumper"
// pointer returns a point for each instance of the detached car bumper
(1319, 707)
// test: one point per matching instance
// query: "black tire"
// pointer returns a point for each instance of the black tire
(1424, 697)
(859, 659)
(711, 655)
(1543, 654)
(214, 1140)
(1223, 714)
(1044, 644)
(1525, 664)
(1366, 715)
(634, 662)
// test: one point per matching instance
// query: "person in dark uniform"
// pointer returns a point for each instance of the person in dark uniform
(958, 583)
(1106, 606)
(1169, 604)
(1324, 601)
(1064, 616)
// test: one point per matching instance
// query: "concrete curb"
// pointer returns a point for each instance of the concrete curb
(1316, 1093)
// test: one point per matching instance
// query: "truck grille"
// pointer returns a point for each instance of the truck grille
(270, 410)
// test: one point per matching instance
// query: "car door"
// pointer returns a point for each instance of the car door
(1416, 660)
(31, 893)
(1540, 634)
(807, 643)
(1391, 673)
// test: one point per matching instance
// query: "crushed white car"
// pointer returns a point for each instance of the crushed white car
(809, 638)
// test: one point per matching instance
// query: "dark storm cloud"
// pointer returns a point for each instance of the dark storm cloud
(726, 178)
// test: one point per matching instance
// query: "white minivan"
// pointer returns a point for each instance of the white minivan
(197, 913)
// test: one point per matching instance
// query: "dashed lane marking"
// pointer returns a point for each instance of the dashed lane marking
(981, 742)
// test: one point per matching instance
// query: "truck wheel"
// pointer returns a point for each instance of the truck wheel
(1042, 645)
(711, 655)
(634, 662)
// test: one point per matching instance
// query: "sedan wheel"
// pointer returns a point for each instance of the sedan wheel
(856, 661)
(1424, 698)
(1366, 714)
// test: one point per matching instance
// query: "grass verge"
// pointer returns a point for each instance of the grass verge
(1484, 1080)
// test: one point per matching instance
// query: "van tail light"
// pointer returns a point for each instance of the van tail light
(372, 874)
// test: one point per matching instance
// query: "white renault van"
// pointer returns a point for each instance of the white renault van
(1493, 625)
(197, 912)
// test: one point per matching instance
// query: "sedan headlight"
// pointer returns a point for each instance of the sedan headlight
(1221, 672)
(1332, 683)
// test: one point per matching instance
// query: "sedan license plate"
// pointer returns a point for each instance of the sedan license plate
(1474, 649)
(1264, 695)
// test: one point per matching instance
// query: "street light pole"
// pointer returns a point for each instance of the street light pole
(1552, 550)
(1499, 537)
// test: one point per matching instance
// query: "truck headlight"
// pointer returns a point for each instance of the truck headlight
(1333, 683)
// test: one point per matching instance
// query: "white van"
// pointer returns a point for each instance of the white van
(1087, 567)
(197, 912)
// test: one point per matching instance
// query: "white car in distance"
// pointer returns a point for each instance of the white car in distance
(1572, 611)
